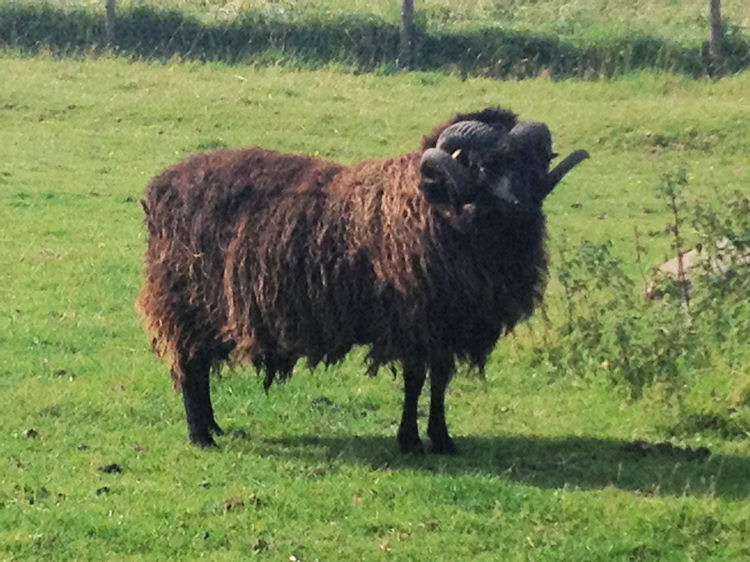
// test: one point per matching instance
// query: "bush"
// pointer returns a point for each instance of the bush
(697, 329)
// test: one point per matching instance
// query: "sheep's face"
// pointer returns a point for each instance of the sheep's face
(496, 178)
(508, 179)
(476, 168)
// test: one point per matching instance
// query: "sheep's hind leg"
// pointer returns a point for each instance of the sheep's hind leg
(196, 397)
(437, 430)
(408, 432)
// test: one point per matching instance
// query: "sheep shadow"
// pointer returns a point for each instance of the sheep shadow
(358, 41)
(649, 469)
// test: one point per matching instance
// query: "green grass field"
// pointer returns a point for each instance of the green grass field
(552, 468)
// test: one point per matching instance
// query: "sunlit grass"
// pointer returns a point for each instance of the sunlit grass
(548, 469)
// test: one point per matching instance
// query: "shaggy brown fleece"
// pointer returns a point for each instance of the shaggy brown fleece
(262, 257)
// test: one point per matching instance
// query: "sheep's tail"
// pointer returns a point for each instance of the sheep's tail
(161, 344)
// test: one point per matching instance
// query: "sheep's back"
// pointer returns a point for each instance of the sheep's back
(192, 211)
(281, 256)
(370, 262)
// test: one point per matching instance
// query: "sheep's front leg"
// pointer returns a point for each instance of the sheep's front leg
(408, 432)
(437, 429)
(196, 397)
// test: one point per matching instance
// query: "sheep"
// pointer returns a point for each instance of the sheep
(427, 258)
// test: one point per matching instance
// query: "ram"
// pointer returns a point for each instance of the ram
(259, 257)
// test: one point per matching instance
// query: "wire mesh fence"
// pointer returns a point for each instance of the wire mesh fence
(493, 39)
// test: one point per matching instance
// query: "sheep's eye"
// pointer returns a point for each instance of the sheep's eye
(461, 157)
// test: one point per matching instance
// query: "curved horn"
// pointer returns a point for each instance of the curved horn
(467, 134)
(558, 172)
(534, 138)
(442, 177)
(536, 141)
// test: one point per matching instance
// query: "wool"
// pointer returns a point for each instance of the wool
(259, 257)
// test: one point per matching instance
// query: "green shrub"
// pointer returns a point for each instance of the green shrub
(693, 331)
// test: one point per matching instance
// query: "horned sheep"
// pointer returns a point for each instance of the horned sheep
(427, 258)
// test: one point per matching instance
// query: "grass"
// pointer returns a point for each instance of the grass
(559, 469)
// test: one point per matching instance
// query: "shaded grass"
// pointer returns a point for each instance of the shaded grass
(359, 41)
(549, 469)
(581, 463)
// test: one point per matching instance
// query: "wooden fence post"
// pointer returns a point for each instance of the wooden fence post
(109, 22)
(715, 51)
(406, 46)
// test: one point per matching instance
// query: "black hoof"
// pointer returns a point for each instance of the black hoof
(214, 428)
(411, 446)
(444, 447)
(204, 441)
